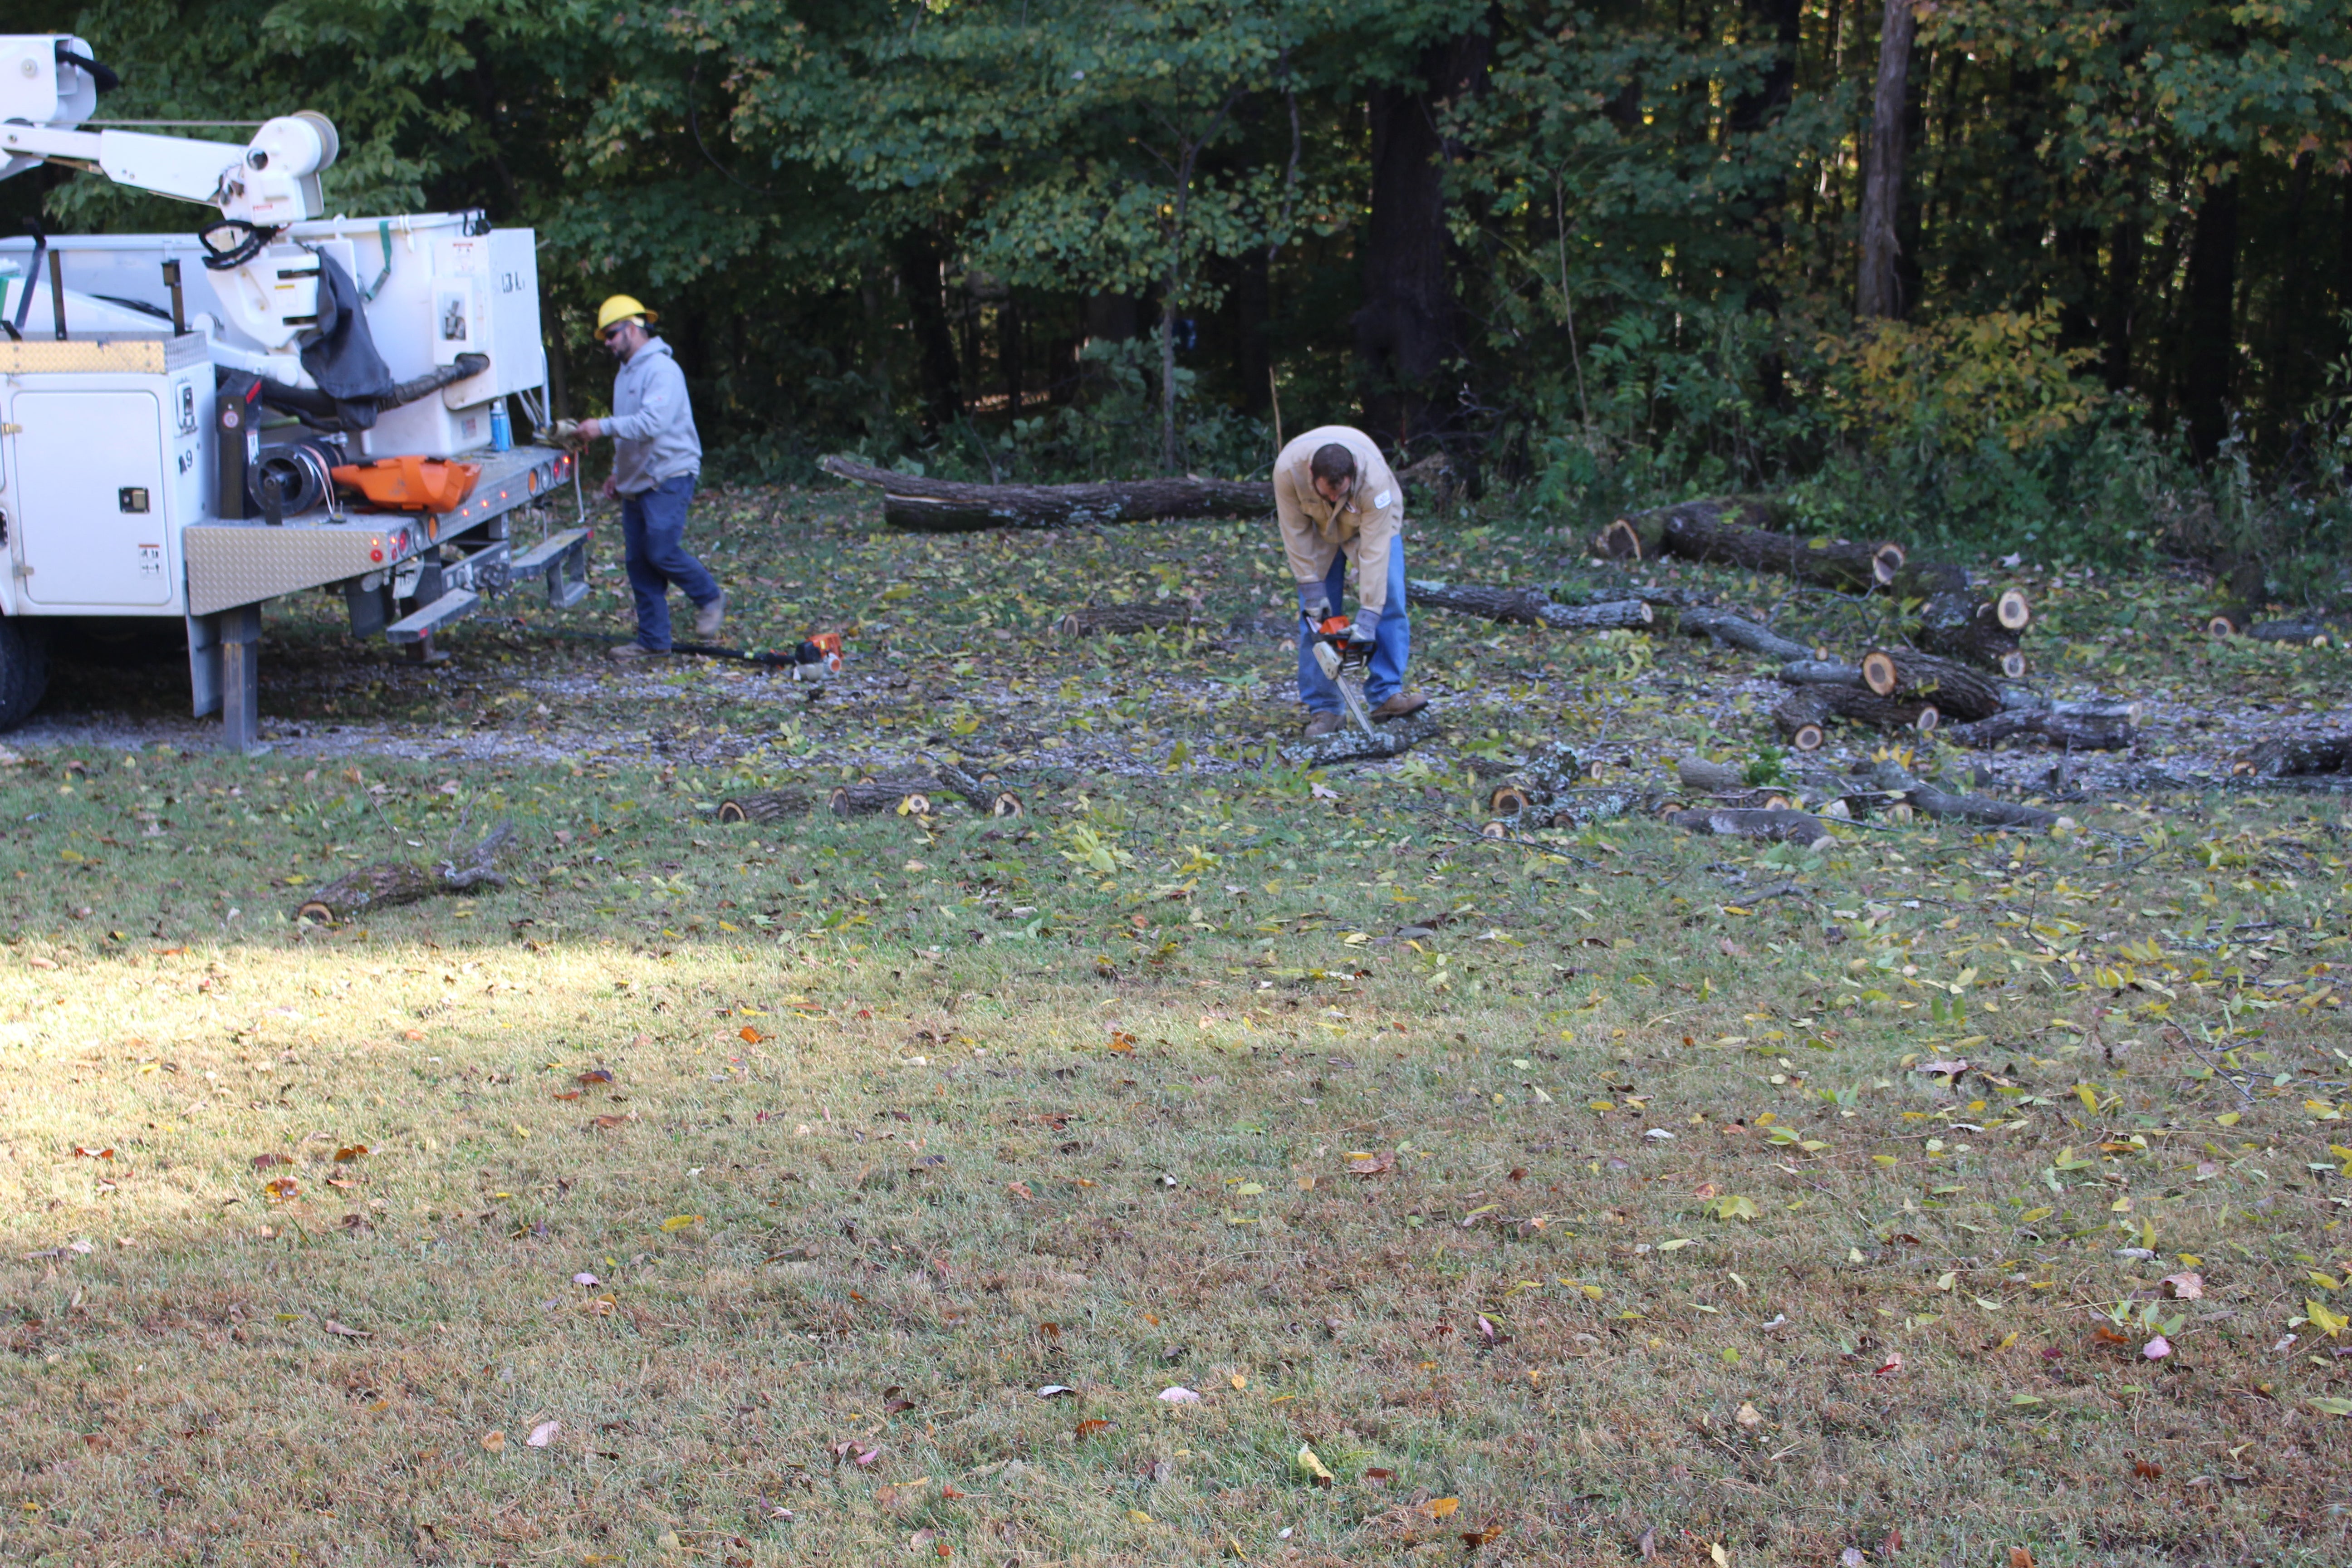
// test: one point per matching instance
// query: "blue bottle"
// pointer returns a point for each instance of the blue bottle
(501, 427)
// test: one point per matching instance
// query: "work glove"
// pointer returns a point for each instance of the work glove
(566, 432)
(1314, 602)
(1367, 624)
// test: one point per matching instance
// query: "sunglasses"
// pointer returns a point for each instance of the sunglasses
(614, 331)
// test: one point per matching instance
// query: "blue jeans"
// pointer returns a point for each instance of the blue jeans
(1392, 645)
(653, 544)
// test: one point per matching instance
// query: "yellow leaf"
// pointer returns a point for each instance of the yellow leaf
(1239, 1382)
(519, 1130)
(1722, 1557)
(1313, 1467)
(680, 1221)
(2332, 1323)
(1441, 1506)
(2030, 1216)
(1137, 1516)
(494, 1440)
(2088, 1095)
(2227, 1119)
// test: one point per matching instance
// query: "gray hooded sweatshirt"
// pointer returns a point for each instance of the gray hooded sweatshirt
(654, 440)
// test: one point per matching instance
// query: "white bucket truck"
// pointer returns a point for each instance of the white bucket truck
(172, 407)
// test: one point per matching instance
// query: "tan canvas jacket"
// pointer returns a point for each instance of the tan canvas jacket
(1363, 527)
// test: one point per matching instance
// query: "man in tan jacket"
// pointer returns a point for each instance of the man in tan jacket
(1336, 501)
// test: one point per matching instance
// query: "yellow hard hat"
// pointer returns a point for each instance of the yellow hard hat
(620, 308)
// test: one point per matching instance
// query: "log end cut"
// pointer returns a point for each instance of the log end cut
(1621, 541)
(1880, 673)
(2011, 610)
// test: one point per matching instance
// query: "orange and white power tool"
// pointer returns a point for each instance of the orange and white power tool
(1344, 658)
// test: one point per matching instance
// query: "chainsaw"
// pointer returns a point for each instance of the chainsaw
(1343, 660)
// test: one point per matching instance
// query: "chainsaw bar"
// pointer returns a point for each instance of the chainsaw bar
(1349, 679)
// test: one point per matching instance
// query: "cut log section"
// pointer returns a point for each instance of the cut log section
(2302, 756)
(2075, 726)
(1850, 568)
(1778, 826)
(1802, 718)
(979, 796)
(1819, 672)
(1700, 777)
(1349, 745)
(1737, 631)
(1957, 691)
(767, 805)
(942, 506)
(1121, 620)
(388, 883)
(1527, 607)
(1892, 778)
(909, 797)
(2308, 633)
(1641, 536)
(1959, 626)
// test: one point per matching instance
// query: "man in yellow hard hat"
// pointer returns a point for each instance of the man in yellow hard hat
(656, 459)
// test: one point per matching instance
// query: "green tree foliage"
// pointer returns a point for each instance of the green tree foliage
(1016, 236)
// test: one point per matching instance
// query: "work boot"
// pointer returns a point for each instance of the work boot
(710, 618)
(1398, 706)
(630, 652)
(1321, 725)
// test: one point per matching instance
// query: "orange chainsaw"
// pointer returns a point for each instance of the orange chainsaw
(1343, 658)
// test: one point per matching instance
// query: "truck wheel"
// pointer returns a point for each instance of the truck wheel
(24, 669)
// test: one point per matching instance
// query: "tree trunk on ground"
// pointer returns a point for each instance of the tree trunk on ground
(2075, 726)
(2302, 756)
(1959, 693)
(2209, 347)
(1525, 607)
(1349, 745)
(1892, 779)
(1878, 293)
(1738, 631)
(1802, 717)
(1961, 627)
(1410, 325)
(1850, 568)
(1096, 620)
(1778, 826)
(767, 805)
(390, 882)
(942, 506)
(1641, 536)
(981, 797)
(914, 794)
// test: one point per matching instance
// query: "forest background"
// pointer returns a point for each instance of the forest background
(2058, 276)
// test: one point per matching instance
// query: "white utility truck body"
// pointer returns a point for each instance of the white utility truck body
(164, 443)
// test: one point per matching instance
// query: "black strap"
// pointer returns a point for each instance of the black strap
(32, 275)
(102, 75)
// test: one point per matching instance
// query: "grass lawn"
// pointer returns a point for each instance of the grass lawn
(856, 1191)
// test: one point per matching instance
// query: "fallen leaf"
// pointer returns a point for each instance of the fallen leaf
(1312, 1467)
(2019, 1557)
(1019, 1189)
(680, 1221)
(1890, 1366)
(2107, 1336)
(1179, 1397)
(608, 1122)
(1749, 1415)
(346, 1332)
(595, 1076)
(750, 1036)
(106, 1153)
(350, 1152)
(2156, 1348)
(1379, 1477)
(1057, 1391)
(1441, 1506)
(567, 1094)
(1943, 1069)
(1715, 1554)
(1371, 1165)
(1238, 1381)
(1121, 1042)
(264, 1161)
(2147, 1471)
(1088, 1428)
(495, 1440)
(1851, 1557)
(1474, 1539)
(1137, 1516)
(2332, 1406)
(544, 1433)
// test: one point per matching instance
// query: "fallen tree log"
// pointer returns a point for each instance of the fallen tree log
(1957, 625)
(1349, 745)
(977, 795)
(909, 796)
(1642, 535)
(1957, 691)
(1803, 716)
(1892, 778)
(1724, 628)
(1527, 607)
(388, 883)
(2301, 756)
(1778, 826)
(943, 506)
(2077, 726)
(767, 805)
(1121, 620)
(1820, 672)
(1551, 770)
(1690, 533)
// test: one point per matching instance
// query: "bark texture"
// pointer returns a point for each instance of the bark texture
(943, 506)
(1738, 631)
(1878, 292)
(1731, 821)
(1527, 607)
(767, 805)
(1096, 620)
(1893, 779)
(2302, 756)
(390, 882)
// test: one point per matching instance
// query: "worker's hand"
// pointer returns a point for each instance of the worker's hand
(591, 429)
(1366, 627)
(1314, 602)
(611, 488)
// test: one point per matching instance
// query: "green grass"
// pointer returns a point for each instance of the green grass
(911, 1118)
